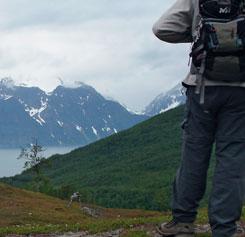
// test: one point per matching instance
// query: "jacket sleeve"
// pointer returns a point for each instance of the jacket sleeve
(175, 26)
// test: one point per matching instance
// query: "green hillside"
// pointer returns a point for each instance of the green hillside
(24, 212)
(132, 169)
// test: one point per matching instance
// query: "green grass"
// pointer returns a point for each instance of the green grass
(92, 226)
(24, 212)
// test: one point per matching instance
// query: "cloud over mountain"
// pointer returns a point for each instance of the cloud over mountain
(105, 43)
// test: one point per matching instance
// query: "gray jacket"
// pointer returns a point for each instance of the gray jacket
(178, 25)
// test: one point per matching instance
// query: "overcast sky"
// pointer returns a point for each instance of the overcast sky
(107, 44)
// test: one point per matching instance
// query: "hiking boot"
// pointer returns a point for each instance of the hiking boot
(174, 228)
(240, 232)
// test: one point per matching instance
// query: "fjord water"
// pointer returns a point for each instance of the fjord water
(10, 165)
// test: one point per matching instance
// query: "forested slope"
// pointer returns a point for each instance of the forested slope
(132, 169)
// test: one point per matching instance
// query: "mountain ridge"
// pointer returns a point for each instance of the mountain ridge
(66, 116)
(166, 101)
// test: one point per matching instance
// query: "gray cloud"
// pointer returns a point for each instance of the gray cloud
(105, 43)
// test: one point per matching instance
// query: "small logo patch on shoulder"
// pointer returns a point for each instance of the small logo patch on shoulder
(225, 10)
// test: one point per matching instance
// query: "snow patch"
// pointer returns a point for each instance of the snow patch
(94, 131)
(171, 106)
(83, 101)
(32, 111)
(5, 97)
(36, 113)
(60, 123)
(133, 111)
(21, 101)
(78, 128)
(106, 129)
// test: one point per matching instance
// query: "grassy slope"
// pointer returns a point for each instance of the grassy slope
(132, 169)
(22, 207)
(25, 212)
(22, 211)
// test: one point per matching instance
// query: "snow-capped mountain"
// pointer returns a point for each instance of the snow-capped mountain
(166, 101)
(65, 116)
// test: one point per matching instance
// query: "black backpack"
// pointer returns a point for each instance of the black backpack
(218, 51)
(220, 9)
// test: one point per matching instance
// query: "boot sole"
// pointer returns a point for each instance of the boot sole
(173, 235)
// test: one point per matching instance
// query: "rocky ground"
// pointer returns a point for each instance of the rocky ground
(150, 230)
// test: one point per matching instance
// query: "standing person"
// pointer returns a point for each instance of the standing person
(215, 113)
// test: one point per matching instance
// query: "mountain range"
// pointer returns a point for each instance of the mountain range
(63, 117)
(166, 101)
(68, 116)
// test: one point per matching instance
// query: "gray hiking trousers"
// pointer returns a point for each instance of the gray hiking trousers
(219, 123)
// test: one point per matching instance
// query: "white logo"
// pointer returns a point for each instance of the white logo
(225, 10)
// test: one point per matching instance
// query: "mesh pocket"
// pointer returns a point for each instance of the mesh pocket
(225, 59)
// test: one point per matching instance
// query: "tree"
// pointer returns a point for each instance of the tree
(33, 156)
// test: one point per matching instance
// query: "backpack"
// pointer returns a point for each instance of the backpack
(218, 51)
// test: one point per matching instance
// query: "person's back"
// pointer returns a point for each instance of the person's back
(215, 114)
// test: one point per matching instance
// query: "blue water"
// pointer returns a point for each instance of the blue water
(10, 165)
